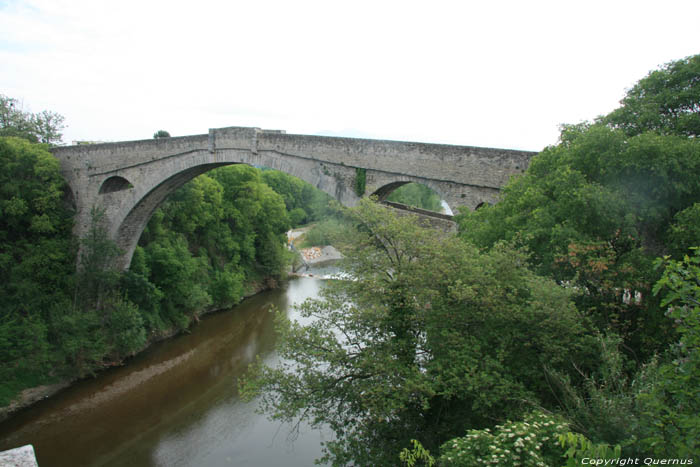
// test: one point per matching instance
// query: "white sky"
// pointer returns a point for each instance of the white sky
(487, 73)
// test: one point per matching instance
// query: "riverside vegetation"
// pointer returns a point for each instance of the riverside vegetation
(559, 324)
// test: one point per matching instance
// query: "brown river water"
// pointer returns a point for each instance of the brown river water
(177, 403)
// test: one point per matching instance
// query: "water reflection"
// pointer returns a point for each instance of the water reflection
(176, 404)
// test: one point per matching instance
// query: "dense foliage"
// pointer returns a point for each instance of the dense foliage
(595, 212)
(429, 336)
(597, 209)
(37, 260)
(670, 412)
(304, 202)
(666, 101)
(219, 234)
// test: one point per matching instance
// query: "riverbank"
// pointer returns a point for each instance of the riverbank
(314, 257)
(33, 395)
(177, 403)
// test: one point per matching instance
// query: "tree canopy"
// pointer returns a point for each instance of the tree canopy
(427, 337)
(41, 127)
(666, 101)
(598, 208)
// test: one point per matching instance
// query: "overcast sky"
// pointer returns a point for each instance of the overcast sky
(487, 73)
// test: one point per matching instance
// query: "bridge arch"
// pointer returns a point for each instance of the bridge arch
(115, 183)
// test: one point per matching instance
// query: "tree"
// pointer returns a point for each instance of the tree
(666, 101)
(161, 134)
(42, 127)
(298, 196)
(37, 260)
(48, 126)
(594, 212)
(428, 337)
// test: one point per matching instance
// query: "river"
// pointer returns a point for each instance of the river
(177, 403)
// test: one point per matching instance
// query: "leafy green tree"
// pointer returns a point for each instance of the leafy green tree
(665, 101)
(594, 212)
(685, 231)
(42, 127)
(299, 197)
(428, 337)
(258, 215)
(37, 260)
(48, 126)
(161, 134)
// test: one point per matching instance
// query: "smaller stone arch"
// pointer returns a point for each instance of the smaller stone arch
(388, 189)
(114, 184)
(384, 192)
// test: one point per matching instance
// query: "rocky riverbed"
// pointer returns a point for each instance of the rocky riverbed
(316, 256)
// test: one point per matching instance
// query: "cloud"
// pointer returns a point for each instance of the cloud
(501, 74)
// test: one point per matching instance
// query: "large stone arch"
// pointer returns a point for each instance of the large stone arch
(128, 208)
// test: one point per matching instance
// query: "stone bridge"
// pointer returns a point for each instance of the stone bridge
(129, 180)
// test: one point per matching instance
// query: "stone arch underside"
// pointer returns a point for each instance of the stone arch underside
(383, 192)
(114, 184)
(129, 230)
